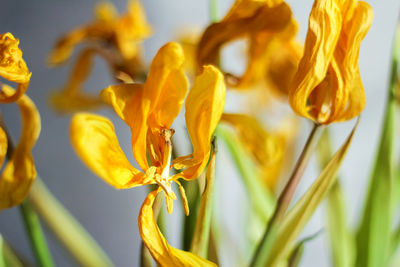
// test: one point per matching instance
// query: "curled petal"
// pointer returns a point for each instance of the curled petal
(245, 18)
(65, 46)
(132, 28)
(12, 65)
(71, 98)
(20, 172)
(204, 106)
(324, 29)
(346, 55)
(271, 54)
(327, 86)
(162, 97)
(161, 251)
(94, 139)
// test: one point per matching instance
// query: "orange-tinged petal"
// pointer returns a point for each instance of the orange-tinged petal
(20, 172)
(3, 146)
(105, 11)
(170, 101)
(13, 67)
(204, 106)
(162, 252)
(131, 29)
(327, 86)
(71, 98)
(65, 46)
(165, 81)
(248, 18)
(125, 99)
(324, 29)
(346, 54)
(94, 139)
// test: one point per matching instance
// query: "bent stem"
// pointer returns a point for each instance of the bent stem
(200, 241)
(31, 221)
(286, 196)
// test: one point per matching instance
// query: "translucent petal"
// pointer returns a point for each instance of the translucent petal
(162, 98)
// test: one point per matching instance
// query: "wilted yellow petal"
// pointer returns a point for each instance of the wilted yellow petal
(204, 106)
(162, 252)
(125, 99)
(131, 29)
(260, 21)
(65, 45)
(267, 148)
(282, 60)
(71, 98)
(165, 82)
(124, 33)
(105, 11)
(94, 139)
(327, 86)
(13, 67)
(20, 172)
(3, 146)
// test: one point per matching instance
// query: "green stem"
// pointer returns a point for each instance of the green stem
(36, 236)
(285, 197)
(31, 220)
(213, 7)
(10, 258)
(201, 234)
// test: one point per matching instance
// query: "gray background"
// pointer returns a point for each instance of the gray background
(111, 215)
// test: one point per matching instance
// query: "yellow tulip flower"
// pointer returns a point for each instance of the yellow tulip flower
(117, 39)
(270, 29)
(327, 86)
(13, 67)
(149, 110)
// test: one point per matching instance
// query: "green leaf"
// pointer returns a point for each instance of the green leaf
(66, 228)
(297, 252)
(341, 239)
(262, 200)
(201, 234)
(374, 233)
(283, 236)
